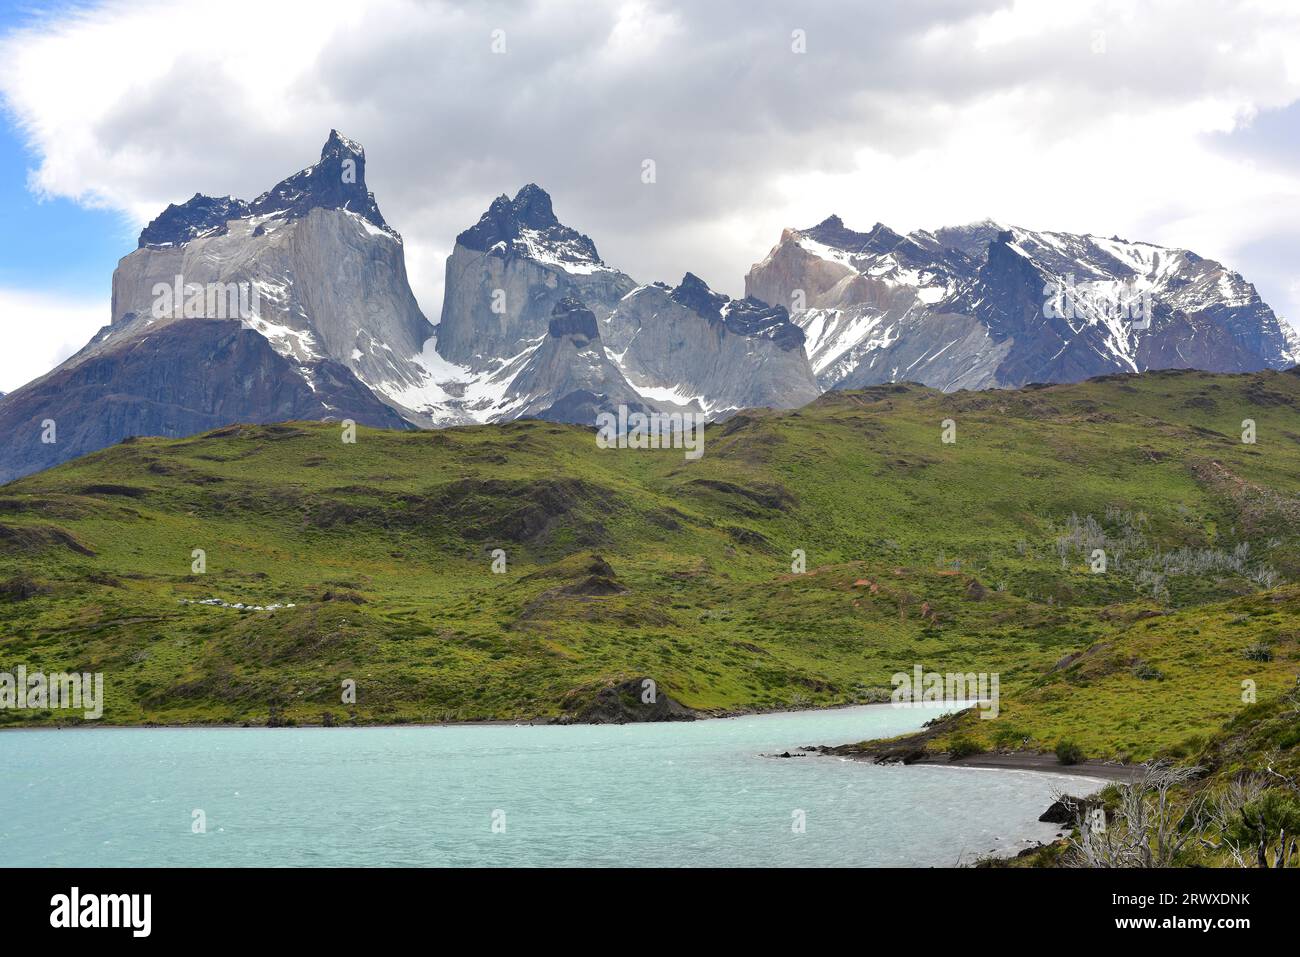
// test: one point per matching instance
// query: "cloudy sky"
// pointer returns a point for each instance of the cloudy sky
(1176, 123)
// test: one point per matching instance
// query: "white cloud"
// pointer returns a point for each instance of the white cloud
(48, 330)
(916, 115)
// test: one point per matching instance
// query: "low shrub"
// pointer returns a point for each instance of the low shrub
(1067, 752)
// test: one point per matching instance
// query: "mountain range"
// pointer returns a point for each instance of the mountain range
(968, 307)
(296, 306)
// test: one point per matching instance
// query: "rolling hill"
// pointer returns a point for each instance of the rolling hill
(624, 564)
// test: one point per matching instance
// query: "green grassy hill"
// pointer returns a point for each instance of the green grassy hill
(968, 557)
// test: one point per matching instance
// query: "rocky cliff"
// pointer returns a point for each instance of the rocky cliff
(569, 376)
(293, 305)
(296, 304)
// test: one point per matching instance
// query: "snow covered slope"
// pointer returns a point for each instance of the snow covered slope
(671, 349)
(984, 306)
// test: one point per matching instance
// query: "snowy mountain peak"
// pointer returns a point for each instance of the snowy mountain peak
(1291, 336)
(991, 305)
(832, 232)
(197, 217)
(741, 317)
(339, 145)
(527, 226)
(532, 206)
(337, 181)
(694, 293)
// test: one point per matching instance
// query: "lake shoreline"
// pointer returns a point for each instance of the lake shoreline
(875, 751)
(538, 721)
(918, 747)
(1040, 761)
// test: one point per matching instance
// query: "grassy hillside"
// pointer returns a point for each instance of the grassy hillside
(968, 557)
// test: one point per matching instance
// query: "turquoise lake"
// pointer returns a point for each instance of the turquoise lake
(682, 794)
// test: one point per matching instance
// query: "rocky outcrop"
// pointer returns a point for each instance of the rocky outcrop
(327, 285)
(569, 377)
(312, 265)
(1069, 810)
(337, 181)
(293, 306)
(622, 702)
(198, 217)
(656, 346)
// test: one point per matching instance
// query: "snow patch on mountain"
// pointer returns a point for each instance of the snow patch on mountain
(1292, 336)
(298, 344)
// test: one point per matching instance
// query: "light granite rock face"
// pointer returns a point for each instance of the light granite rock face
(793, 277)
(506, 274)
(311, 265)
(714, 354)
(326, 285)
(967, 307)
(674, 349)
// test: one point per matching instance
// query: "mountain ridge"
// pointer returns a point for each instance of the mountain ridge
(878, 305)
(312, 266)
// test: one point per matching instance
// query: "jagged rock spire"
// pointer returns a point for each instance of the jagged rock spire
(336, 181)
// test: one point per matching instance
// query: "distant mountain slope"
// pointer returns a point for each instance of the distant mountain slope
(189, 376)
(968, 307)
(620, 564)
